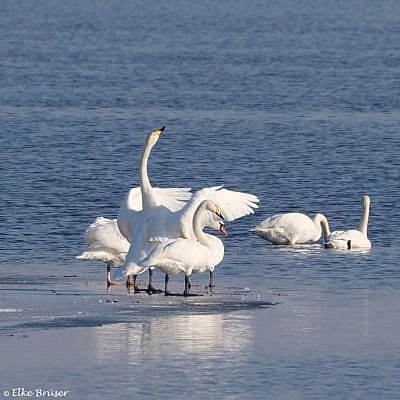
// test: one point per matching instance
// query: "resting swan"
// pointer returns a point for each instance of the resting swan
(203, 252)
(292, 228)
(105, 243)
(166, 216)
(353, 238)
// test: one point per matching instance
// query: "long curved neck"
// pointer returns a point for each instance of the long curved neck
(364, 218)
(187, 214)
(145, 186)
(198, 226)
(320, 221)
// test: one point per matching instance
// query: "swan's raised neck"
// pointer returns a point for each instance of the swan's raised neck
(363, 228)
(320, 221)
(145, 185)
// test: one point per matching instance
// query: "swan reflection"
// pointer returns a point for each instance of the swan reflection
(206, 335)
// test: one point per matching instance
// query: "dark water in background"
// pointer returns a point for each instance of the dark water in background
(297, 102)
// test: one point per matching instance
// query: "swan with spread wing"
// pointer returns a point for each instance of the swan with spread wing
(168, 214)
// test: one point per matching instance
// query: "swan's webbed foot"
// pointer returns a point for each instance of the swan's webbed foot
(152, 290)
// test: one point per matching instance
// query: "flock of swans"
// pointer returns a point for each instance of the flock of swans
(163, 228)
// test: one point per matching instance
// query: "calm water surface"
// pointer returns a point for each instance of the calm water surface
(297, 102)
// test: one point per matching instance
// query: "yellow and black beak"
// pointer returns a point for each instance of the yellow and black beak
(158, 132)
(218, 212)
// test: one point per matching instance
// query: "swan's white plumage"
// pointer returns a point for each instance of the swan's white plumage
(292, 228)
(353, 238)
(165, 214)
(162, 224)
(233, 204)
(105, 242)
(174, 256)
(340, 240)
(130, 214)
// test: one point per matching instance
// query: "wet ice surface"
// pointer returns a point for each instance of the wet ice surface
(303, 337)
(42, 302)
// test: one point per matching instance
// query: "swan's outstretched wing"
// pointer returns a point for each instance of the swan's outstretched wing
(172, 198)
(233, 204)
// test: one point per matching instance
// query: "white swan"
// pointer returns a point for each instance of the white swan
(105, 243)
(164, 217)
(146, 197)
(292, 228)
(139, 203)
(162, 224)
(353, 238)
(202, 253)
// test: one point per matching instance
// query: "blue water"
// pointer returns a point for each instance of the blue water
(297, 102)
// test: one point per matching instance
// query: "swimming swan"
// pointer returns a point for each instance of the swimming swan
(292, 228)
(353, 238)
(203, 252)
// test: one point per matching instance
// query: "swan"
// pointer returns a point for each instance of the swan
(105, 243)
(292, 228)
(353, 238)
(163, 224)
(202, 253)
(139, 202)
(168, 213)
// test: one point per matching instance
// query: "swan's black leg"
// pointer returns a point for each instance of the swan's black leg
(166, 285)
(349, 245)
(211, 285)
(150, 288)
(109, 281)
(187, 286)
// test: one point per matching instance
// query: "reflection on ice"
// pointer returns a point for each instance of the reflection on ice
(206, 335)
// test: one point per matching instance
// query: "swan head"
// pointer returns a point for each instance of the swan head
(158, 132)
(366, 200)
(209, 205)
(155, 135)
